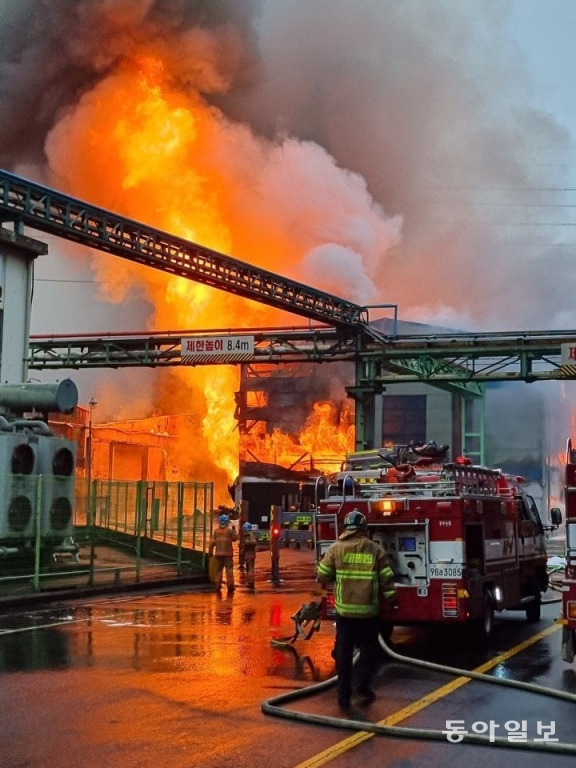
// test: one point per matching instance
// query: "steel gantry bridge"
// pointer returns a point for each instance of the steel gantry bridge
(479, 358)
(459, 362)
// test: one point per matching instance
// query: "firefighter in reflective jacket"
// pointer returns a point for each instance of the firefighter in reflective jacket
(363, 579)
(221, 545)
(248, 543)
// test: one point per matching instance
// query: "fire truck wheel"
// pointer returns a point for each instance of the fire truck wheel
(487, 618)
(533, 608)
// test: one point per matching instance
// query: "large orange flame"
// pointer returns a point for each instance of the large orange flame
(136, 145)
(320, 444)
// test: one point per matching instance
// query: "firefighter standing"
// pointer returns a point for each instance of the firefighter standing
(221, 545)
(248, 544)
(363, 578)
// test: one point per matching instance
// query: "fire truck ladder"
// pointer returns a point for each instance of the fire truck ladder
(328, 518)
(323, 518)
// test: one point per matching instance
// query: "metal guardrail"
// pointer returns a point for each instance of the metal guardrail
(115, 531)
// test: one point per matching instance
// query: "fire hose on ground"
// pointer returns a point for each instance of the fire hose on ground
(308, 621)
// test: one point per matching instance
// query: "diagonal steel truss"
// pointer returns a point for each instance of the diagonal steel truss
(30, 204)
(459, 362)
(49, 211)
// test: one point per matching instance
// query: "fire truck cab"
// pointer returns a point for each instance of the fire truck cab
(463, 541)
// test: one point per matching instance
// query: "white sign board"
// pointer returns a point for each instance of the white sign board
(568, 360)
(568, 354)
(212, 350)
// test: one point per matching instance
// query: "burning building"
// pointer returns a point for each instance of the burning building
(295, 416)
(345, 148)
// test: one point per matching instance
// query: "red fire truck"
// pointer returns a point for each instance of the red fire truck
(463, 541)
(568, 619)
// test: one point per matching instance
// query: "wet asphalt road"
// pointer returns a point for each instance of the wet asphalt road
(178, 678)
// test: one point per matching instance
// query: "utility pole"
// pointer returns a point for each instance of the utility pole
(90, 497)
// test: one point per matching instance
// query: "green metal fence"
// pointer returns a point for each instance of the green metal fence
(170, 512)
(56, 533)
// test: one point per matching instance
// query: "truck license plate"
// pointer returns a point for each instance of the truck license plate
(445, 571)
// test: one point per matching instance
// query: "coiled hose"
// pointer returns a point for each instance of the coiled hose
(274, 707)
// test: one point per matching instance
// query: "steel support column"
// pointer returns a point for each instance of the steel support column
(472, 429)
(16, 256)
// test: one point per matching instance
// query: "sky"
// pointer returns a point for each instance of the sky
(433, 142)
(545, 34)
(545, 30)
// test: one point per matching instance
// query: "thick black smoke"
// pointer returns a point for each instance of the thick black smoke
(53, 51)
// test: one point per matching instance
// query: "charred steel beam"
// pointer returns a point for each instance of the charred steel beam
(64, 216)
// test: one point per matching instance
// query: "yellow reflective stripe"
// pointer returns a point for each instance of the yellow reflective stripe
(354, 607)
(362, 609)
(358, 610)
(337, 595)
(323, 569)
(347, 575)
(358, 558)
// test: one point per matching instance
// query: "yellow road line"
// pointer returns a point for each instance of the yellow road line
(353, 741)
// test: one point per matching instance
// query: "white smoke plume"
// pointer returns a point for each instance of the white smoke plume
(430, 103)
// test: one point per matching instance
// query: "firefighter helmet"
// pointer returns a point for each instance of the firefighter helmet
(355, 521)
(247, 527)
(223, 520)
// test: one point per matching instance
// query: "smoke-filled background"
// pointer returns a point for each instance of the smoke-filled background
(384, 151)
